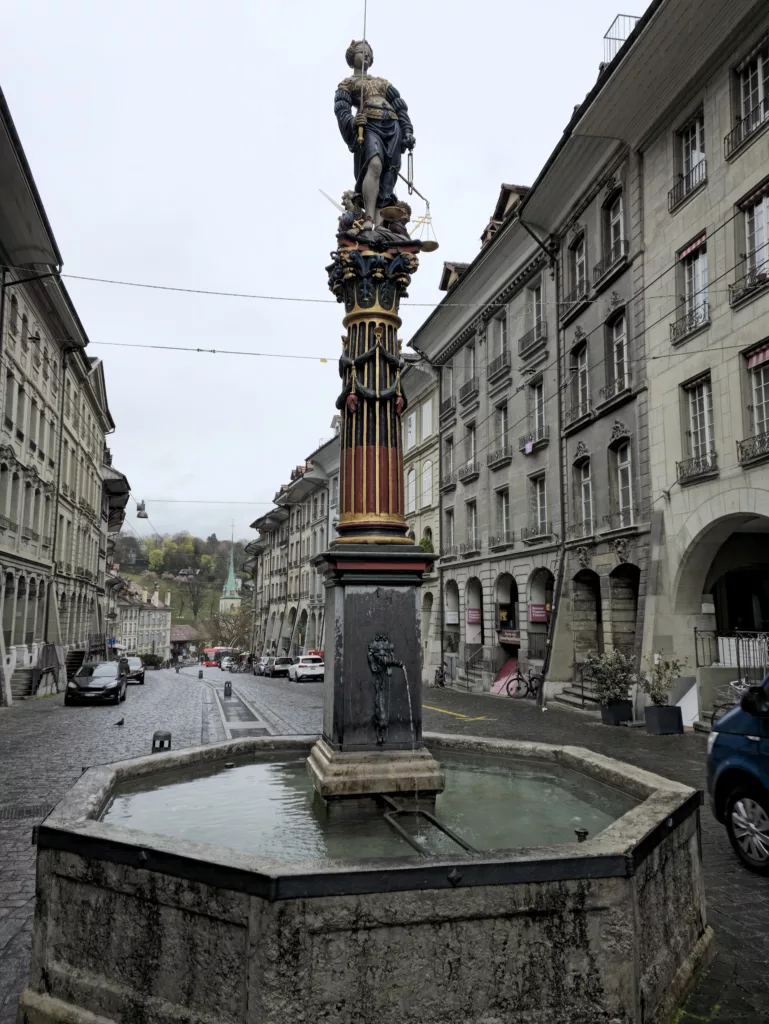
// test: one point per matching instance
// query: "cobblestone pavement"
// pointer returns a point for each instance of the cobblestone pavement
(44, 747)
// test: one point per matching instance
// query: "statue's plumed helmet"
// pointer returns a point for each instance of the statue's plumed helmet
(350, 54)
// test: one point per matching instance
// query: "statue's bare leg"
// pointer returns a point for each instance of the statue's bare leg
(371, 191)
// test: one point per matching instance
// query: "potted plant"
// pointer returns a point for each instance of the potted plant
(611, 676)
(662, 719)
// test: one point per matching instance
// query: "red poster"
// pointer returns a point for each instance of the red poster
(474, 616)
(537, 613)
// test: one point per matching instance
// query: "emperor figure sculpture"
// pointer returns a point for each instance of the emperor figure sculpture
(377, 135)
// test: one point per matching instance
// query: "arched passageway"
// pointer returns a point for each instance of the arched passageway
(541, 584)
(587, 615)
(623, 594)
(451, 617)
(474, 634)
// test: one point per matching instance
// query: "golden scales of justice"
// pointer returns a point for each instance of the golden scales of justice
(422, 226)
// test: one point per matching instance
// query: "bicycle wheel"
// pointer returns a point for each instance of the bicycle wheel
(512, 685)
(534, 686)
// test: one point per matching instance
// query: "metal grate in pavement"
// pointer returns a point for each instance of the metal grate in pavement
(15, 812)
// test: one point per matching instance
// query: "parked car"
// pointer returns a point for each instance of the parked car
(226, 664)
(259, 666)
(135, 671)
(104, 681)
(738, 776)
(266, 671)
(278, 667)
(306, 667)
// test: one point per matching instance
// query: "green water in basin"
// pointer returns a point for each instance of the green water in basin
(270, 809)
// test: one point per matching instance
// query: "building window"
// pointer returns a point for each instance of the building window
(448, 381)
(619, 355)
(585, 483)
(499, 339)
(427, 484)
(537, 404)
(760, 383)
(694, 263)
(538, 505)
(690, 155)
(13, 316)
(757, 235)
(335, 491)
(24, 333)
(503, 513)
(411, 430)
(700, 418)
(624, 485)
(754, 90)
(411, 491)
(448, 456)
(614, 231)
(502, 425)
(470, 443)
(427, 419)
(471, 366)
(473, 540)
(449, 521)
(578, 266)
(581, 386)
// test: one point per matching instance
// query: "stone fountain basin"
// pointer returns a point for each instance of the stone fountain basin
(138, 928)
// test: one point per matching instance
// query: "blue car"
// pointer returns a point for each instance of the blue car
(738, 776)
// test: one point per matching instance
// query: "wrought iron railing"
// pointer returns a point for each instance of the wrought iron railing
(449, 480)
(754, 447)
(499, 456)
(538, 529)
(451, 551)
(755, 280)
(691, 469)
(537, 645)
(5, 523)
(28, 533)
(618, 251)
(574, 297)
(499, 365)
(615, 387)
(578, 410)
(448, 405)
(536, 436)
(693, 319)
(469, 471)
(468, 390)
(622, 518)
(532, 338)
(687, 184)
(472, 547)
(746, 127)
(47, 541)
(584, 529)
(745, 651)
(501, 539)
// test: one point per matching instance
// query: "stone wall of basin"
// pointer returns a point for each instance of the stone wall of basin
(138, 929)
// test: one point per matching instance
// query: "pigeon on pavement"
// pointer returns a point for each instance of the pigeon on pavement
(121, 722)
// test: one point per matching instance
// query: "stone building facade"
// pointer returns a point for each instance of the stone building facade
(421, 473)
(60, 498)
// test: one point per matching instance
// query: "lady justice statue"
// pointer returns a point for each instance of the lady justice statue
(377, 135)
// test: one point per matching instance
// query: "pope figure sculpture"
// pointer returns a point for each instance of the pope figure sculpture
(387, 131)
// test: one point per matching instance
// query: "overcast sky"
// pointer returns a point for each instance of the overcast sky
(183, 142)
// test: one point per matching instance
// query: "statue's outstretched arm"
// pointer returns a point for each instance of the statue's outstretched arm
(398, 104)
(344, 118)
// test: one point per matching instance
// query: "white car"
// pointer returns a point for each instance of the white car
(226, 664)
(310, 666)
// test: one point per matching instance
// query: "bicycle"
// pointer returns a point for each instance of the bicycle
(525, 685)
(728, 696)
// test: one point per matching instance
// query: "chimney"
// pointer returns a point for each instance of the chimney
(168, 599)
(144, 595)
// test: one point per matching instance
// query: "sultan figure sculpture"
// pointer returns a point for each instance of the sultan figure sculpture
(377, 135)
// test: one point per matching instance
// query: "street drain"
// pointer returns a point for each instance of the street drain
(16, 812)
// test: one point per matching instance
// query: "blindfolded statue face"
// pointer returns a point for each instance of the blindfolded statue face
(359, 55)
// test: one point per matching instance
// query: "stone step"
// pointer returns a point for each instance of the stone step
(575, 690)
(575, 702)
(21, 683)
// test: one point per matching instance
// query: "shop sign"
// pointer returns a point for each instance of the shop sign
(509, 636)
(473, 616)
(537, 613)
(452, 618)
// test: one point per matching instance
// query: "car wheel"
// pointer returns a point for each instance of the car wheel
(67, 702)
(747, 824)
(141, 681)
(125, 693)
(116, 698)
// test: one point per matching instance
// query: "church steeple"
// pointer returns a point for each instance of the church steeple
(230, 599)
(230, 590)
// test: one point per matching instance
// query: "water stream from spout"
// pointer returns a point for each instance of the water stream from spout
(413, 745)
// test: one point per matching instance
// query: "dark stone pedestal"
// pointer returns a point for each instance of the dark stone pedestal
(372, 721)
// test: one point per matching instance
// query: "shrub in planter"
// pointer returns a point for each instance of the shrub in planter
(662, 719)
(611, 676)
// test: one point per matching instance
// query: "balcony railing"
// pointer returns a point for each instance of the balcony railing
(577, 411)
(47, 541)
(450, 552)
(503, 539)
(468, 390)
(5, 523)
(697, 176)
(746, 127)
(754, 281)
(534, 531)
(584, 529)
(536, 437)
(755, 447)
(472, 547)
(531, 339)
(448, 405)
(615, 255)
(692, 320)
(575, 296)
(449, 480)
(8, 422)
(499, 365)
(691, 469)
(615, 388)
(27, 533)
(469, 471)
(500, 456)
(621, 519)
